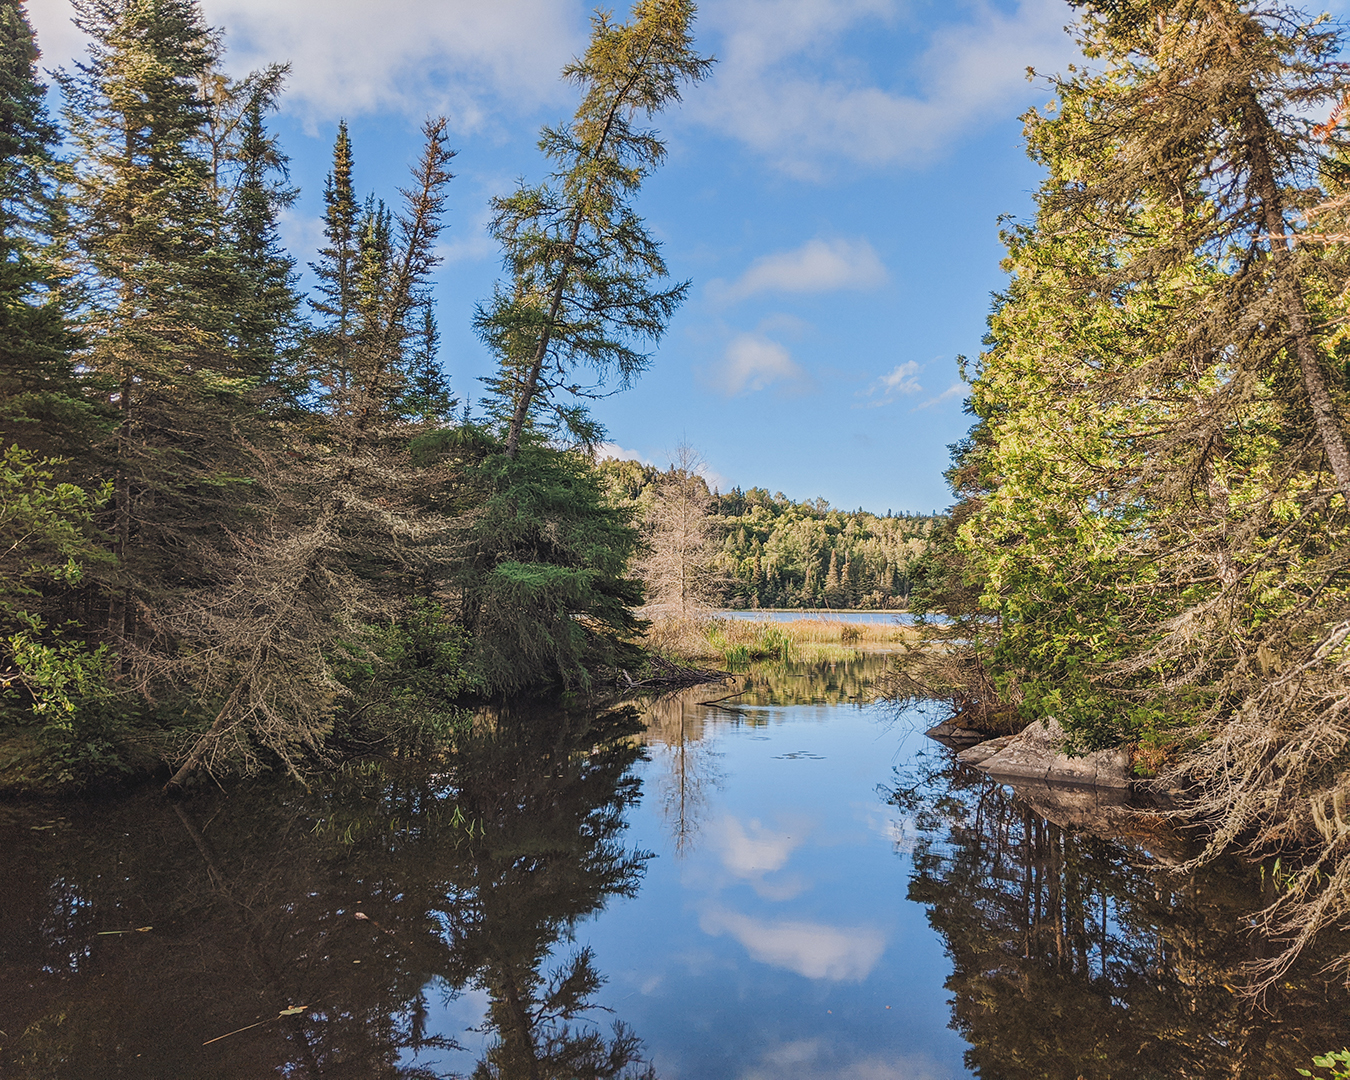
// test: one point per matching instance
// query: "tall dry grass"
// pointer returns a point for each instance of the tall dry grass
(738, 641)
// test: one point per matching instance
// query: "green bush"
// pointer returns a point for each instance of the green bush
(1338, 1061)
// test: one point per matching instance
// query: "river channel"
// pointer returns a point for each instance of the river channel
(789, 883)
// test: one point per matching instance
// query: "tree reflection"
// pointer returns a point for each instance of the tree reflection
(676, 725)
(309, 934)
(1076, 956)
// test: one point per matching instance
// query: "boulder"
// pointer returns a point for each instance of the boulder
(973, 755)
(1037, 754)
(950, 734)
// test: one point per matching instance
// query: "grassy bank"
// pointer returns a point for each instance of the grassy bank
(736, 642)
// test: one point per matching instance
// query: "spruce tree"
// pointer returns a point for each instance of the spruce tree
(266, 329)
(583, 268)
(42, 403)
(147, 229)
(337, 272)
(427, 397)
(351, 530)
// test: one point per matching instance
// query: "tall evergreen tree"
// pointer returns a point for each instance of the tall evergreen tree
(350, 531)
(162, 290)
(427, 397)
(337, 271)
(582, 264)
(267, 324)
(42, 405)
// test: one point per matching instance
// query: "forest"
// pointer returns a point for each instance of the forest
(767, 551)
(248, 528)
(1150, 537)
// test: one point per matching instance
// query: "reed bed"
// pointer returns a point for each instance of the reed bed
(738, 641)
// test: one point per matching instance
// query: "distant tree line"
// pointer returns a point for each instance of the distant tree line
(771, 552)
(244, 527)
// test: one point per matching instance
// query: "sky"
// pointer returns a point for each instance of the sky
(832, 192)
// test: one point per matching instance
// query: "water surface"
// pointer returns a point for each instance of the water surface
(884, 618)
(788, 883)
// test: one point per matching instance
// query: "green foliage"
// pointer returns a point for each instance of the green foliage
(776, 553)
(42, 406)
(263, 532)
(1141, 499)
(46, 529)
(267, 324)
(60, 719)
(542, 569)
(405, 679)
(779, 553)
(1337, 1061)
(582, 265)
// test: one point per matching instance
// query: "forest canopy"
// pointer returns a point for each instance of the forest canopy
(773, 552)
(1150, 540)
(251, 528)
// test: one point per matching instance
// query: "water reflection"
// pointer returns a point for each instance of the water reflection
(1076, 956)
(309, 934)
(356, 930)
(676, 725)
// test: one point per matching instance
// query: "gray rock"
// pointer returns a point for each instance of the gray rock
(973, 755)
(1037, 754)
(948, 733)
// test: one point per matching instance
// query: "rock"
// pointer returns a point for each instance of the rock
(973, 755)
(948, 734)
(1036, 754)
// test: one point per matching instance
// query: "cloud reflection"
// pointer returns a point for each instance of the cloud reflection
(754, 851)
(814, 950)
(812, 1059)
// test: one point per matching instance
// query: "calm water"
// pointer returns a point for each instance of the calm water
(886, 618)
(792, 883)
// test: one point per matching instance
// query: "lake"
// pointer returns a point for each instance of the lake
(792, 882)
(885, 618)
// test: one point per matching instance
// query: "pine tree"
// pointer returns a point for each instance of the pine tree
(337, 271)
(582, 264)
(42, 403)
(266, 329)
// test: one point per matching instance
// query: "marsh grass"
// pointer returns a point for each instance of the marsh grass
(738, 642)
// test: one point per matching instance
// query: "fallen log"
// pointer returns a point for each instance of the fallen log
(666, 674)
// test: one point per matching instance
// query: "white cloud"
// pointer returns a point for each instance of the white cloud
(814, 950)
(817, 266)
(753, 362)
(618, 453)
(782, 89)
(353, 56)
(955, 390)
(902, 380)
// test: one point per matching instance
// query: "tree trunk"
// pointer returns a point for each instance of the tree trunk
(1289, 296)
(194, 759)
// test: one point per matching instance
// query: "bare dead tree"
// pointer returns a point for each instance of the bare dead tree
(680, 567)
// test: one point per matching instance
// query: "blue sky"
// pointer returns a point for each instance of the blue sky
(832, 192)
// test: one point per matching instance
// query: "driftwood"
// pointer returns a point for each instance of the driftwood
(666, 674)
